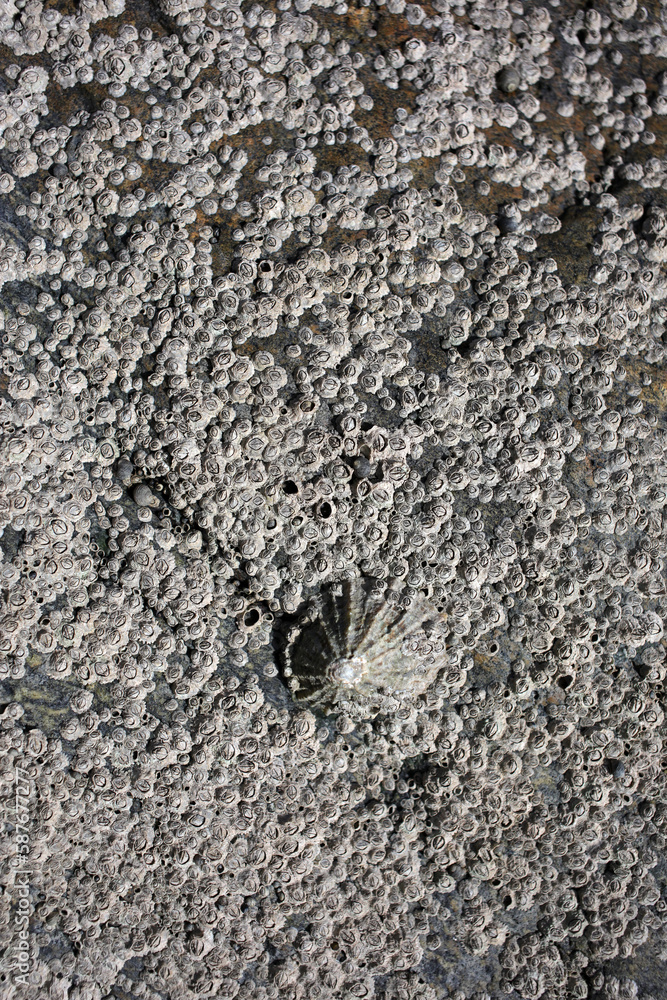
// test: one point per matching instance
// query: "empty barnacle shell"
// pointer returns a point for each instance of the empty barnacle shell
(354, 643)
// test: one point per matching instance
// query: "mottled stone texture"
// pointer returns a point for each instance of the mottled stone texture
(332, 497)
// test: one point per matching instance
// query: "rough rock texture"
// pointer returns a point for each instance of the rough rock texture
(295, 295)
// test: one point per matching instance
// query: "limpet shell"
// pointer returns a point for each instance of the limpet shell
(355, 643)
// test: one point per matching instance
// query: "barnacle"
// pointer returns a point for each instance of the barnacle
(355, 643)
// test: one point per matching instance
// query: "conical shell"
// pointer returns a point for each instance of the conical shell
(359, 644)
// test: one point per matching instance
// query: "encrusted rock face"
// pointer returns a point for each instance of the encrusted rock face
(363, 306)
(356, 644)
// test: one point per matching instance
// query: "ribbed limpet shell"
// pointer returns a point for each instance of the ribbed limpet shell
(355, 643)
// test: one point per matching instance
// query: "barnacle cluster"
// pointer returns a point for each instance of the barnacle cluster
(333, 489)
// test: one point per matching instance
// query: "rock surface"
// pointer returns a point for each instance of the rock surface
(298, 295)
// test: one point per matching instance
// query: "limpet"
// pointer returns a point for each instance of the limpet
(354, 643)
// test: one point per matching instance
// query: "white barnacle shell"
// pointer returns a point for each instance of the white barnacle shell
(357, 644)
(23, 386)
(299, 200)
